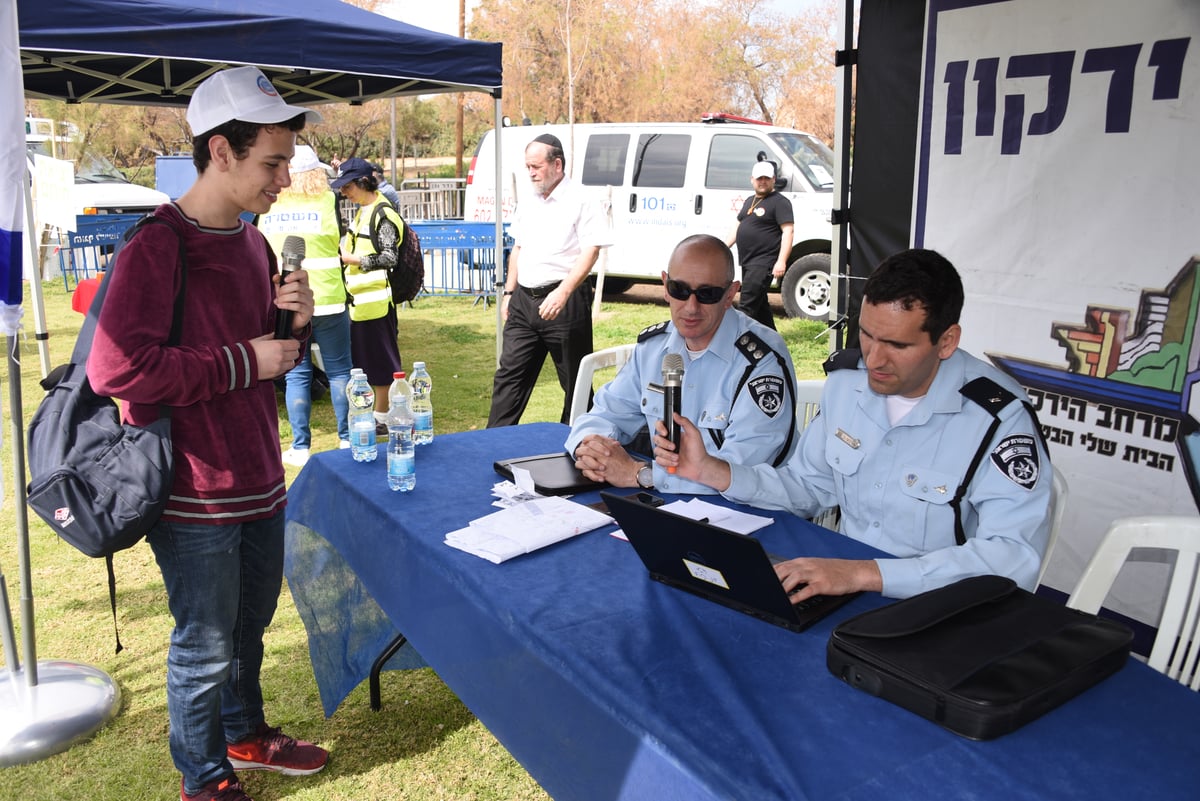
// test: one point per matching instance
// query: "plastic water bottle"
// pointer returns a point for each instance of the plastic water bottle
(362, 416)
(401, 452)
(422, 406)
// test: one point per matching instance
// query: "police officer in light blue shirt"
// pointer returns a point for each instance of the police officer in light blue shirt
(933, 455)
(738, 381)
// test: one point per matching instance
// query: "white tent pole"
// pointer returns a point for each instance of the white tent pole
(35, 278)
(841, 169)
(499, 215)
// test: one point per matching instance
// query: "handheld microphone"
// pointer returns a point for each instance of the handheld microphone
(293, 256)
(672, 374)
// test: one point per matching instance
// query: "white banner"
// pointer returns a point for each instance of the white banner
(1058, 166)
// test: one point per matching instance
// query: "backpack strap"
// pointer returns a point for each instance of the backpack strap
(993, 398)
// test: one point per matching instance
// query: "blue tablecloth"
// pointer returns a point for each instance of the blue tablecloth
(607, 685)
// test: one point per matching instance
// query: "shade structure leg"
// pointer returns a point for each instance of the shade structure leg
(70, 703)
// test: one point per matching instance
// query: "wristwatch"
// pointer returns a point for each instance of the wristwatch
(645, 477)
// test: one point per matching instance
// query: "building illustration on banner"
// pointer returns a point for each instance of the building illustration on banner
(1130, 390)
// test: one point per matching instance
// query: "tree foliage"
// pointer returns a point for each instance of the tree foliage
(649, 60)
(564, 60)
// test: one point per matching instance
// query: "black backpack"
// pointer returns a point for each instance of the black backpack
(407, 277)
(99, 483)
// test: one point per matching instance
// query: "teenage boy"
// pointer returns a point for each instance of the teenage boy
(219, 544)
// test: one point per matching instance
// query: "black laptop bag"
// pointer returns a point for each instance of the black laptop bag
(980, 657)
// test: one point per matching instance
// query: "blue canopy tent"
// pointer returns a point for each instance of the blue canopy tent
(155, 52)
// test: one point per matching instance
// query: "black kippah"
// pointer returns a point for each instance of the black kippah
(549, 139)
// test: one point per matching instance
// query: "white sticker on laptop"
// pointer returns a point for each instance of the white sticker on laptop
(706, 573)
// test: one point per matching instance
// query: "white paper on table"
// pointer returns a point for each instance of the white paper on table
(525, 527)
(720, 516)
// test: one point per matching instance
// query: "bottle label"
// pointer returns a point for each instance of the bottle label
(401, 464)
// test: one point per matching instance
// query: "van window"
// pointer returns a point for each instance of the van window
(661, 160)
(604, 161)
(730, 159)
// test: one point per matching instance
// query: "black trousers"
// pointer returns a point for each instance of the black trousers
(753, 300)
(527, 340)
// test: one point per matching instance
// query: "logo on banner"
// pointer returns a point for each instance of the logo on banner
(1128, 392)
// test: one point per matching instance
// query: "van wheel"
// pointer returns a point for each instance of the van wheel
(615, 286)
(806, 287)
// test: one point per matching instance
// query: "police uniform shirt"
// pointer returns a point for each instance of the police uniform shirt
(894, 483)
(756, 426)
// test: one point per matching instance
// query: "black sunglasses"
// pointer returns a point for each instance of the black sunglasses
(707, 295)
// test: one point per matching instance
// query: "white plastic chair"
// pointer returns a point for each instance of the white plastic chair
(808, 400)
(1176, 646)
(1058, 504)
(808, 405)
(608, 357)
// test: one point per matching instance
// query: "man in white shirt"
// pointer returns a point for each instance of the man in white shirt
(547, 299)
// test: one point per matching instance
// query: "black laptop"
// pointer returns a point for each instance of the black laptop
(721, 565)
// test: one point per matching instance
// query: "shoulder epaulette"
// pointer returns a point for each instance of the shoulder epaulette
(750, 345)
(988, 394)
(846, 359)
(652, 331)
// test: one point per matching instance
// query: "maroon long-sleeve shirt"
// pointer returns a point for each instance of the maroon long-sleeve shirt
(224, 423)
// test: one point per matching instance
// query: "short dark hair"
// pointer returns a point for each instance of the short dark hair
(241, 136)
(919, 277)
(555, 148)
(368, 182)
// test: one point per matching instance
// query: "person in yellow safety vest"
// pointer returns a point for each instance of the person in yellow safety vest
(369, 249)
(309, 209)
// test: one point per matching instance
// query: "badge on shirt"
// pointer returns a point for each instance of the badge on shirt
(767, 392)
(1017, 458)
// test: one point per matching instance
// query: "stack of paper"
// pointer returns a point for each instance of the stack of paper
(525, 527)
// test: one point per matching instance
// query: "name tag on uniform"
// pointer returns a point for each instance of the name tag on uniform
(846, 438)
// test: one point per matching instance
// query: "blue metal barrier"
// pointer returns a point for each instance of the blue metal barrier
(460, 257)
(91, 244)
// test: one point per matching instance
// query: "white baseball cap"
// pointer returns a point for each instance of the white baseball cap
(304, 160)
(241, 93)
(763, 169)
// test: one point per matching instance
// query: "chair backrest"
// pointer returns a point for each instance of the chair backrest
(808, 400)
(608, 357)
(1058, 505)
(1176, 646)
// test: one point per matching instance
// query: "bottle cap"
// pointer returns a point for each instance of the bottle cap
(397, 374)
(418, 365)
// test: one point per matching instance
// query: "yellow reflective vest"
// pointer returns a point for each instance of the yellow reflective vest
(315, 219)
(370, 293)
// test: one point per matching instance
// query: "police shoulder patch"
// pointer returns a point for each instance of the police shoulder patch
(1017, 458)
(767, 393)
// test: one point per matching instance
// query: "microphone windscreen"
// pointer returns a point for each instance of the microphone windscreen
(672, 363)
(294, 245)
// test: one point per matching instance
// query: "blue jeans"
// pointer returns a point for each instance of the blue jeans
(223, 585)
(331, 332)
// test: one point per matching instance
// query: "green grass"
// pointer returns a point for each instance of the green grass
(424, 744)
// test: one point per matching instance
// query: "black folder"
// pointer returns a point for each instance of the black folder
(552, 473)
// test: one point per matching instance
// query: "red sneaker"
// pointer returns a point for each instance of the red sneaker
(227, 789)
(271, 749)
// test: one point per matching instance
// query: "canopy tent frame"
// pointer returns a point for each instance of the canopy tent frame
(155, 52)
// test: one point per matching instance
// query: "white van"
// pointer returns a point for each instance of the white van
(664, 181)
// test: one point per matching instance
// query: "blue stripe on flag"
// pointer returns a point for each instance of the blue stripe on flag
(10, 267)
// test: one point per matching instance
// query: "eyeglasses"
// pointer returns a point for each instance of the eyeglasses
(707, 295)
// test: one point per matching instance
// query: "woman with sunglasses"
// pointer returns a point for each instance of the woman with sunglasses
(738, 381)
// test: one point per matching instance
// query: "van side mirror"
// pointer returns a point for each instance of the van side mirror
(781, 182)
